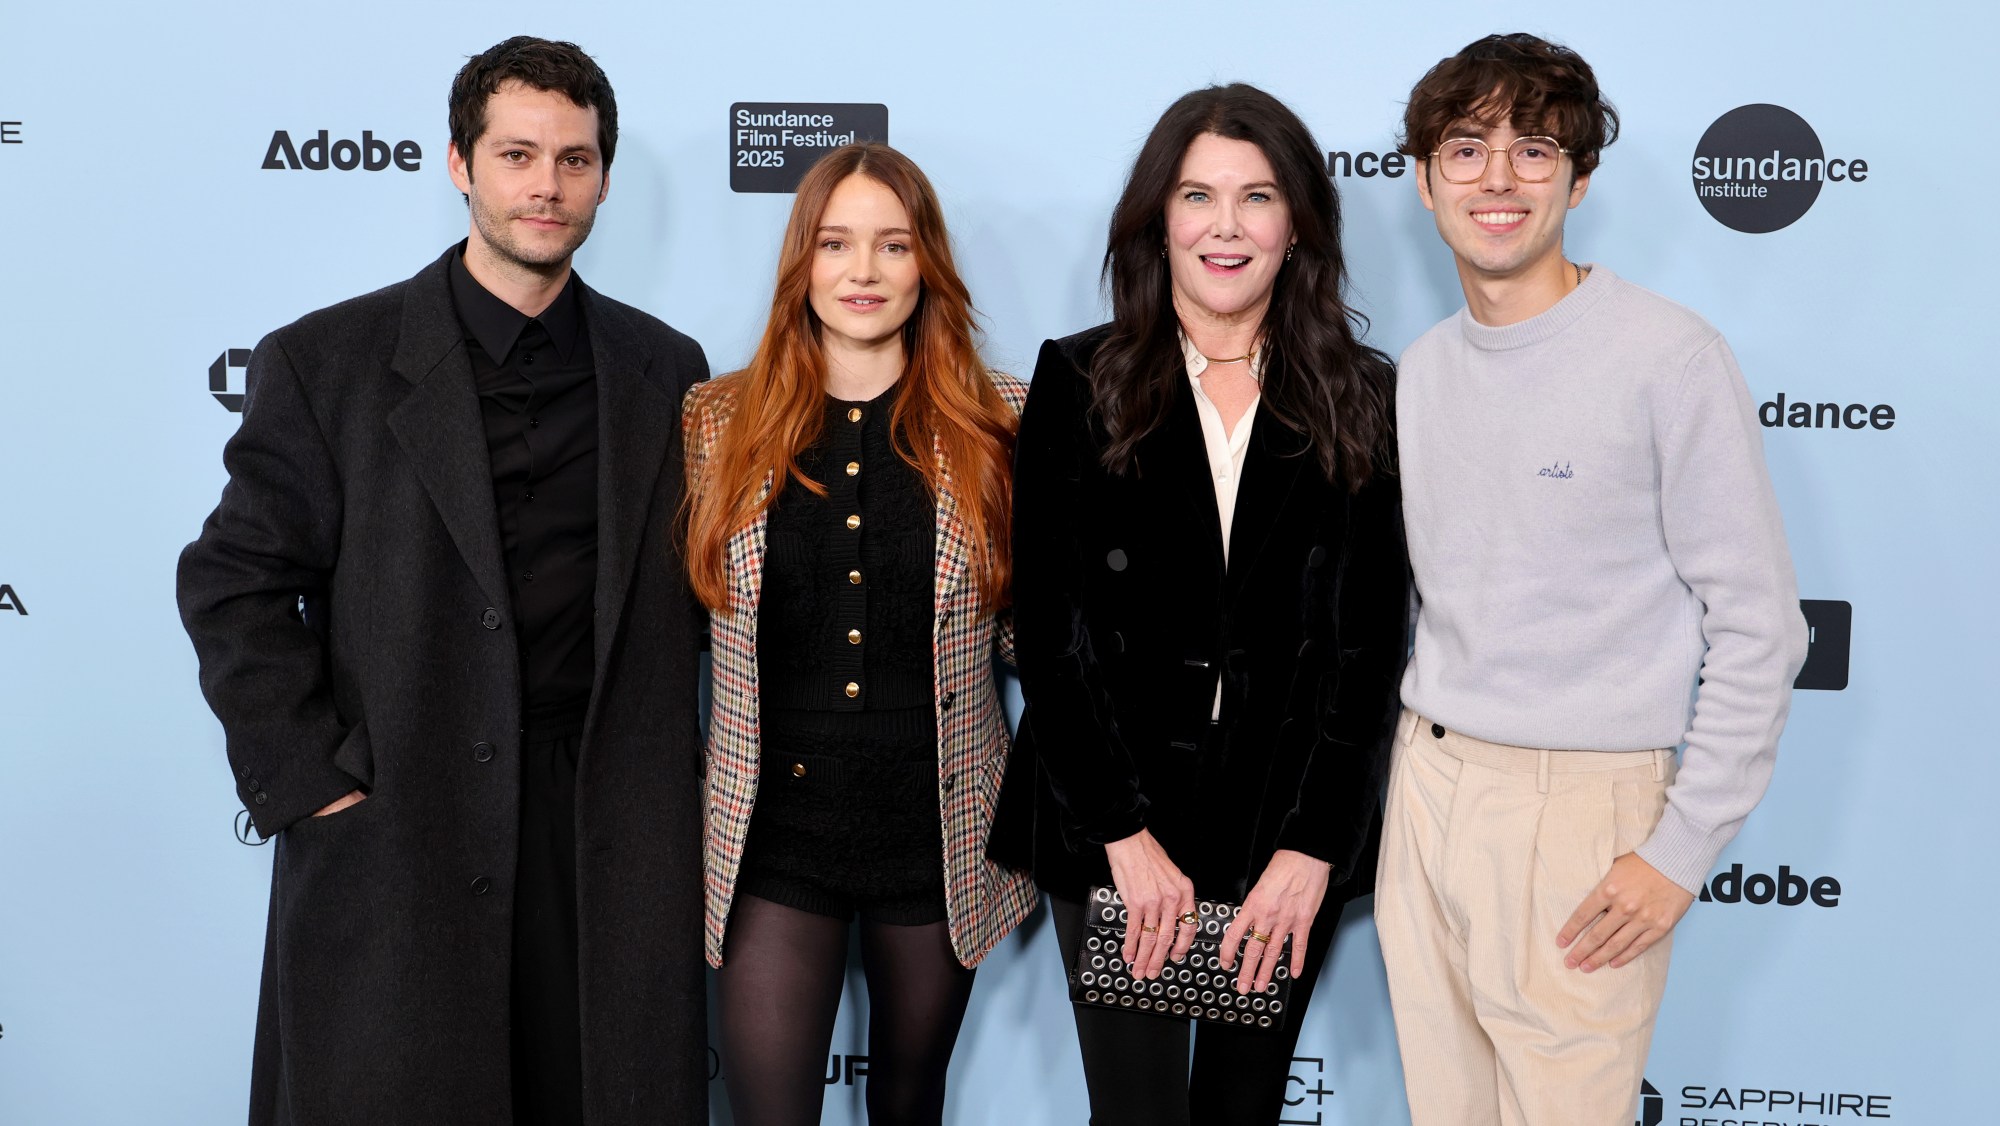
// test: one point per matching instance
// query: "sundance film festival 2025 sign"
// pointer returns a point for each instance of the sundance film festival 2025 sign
(1829, 638)
(771, 144)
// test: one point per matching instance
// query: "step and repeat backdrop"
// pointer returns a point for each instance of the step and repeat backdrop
(177, 180)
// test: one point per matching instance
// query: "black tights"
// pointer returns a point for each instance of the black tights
(779, 990)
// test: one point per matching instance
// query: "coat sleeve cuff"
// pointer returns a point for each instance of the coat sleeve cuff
(297, 794)
(1683, 851)
(1117, 824)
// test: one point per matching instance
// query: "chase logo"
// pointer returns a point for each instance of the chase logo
(1829, 633)
(1759, 168)
(317, 154)
(225, 378)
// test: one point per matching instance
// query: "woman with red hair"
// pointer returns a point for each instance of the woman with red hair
(848, 530)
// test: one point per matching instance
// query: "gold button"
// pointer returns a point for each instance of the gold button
(854, 521)
(798, 770)
(854, 577)
(853, 690)
(854, 637)
(854, 414)
(853, 467)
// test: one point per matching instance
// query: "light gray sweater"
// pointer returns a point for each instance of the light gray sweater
(1592, 529)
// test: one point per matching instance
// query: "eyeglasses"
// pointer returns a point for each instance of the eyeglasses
(1462, 160)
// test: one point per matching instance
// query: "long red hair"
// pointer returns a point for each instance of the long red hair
(944, 392)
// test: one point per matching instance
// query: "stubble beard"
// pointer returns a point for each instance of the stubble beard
(497, 231)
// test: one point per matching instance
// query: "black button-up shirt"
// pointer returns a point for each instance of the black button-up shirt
(537, 390)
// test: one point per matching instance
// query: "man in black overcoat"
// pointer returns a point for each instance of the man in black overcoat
(443, 621)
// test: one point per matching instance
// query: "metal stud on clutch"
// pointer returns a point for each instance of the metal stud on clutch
(1196, 987)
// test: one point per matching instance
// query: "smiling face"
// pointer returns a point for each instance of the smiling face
(1227, 231)
(533, 180)
(1501, 230)
(865, 279)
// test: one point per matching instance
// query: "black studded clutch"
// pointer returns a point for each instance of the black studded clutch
(1196, 987)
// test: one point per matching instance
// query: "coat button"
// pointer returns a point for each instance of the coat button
(482, 752)
(1116, 559)
(852, 690)
(853, 468)
(262, 797)
(490, 619)
(949, 782)
(950, 694)
(481, 885)
(251, 785)
(853, 522)
(854, 414)
(854, 577)
(798, 770)
(1437, 730)
(1316, 557)
(854, 637)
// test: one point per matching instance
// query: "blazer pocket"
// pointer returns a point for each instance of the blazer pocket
(356, 755)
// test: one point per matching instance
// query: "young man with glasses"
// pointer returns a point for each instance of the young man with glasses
(1593, 533)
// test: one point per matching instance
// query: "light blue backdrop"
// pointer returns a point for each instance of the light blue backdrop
(141, 239)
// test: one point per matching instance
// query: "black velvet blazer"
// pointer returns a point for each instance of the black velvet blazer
(1127, 616)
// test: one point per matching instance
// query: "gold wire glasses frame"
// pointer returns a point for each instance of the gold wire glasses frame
(1463, 160)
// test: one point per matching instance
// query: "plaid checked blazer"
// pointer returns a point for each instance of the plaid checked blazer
(985, 899)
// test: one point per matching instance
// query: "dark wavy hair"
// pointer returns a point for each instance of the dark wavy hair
(1540, 87)
(1320, 381)
(541, 64)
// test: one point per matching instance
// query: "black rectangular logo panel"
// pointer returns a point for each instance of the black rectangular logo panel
(1830, 628)
(771, 144)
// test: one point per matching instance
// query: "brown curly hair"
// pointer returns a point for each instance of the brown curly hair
(1541, 88)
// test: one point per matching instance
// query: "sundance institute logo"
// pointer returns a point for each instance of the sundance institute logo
(1759, 168)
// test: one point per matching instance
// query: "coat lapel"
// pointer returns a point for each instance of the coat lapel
(440, 429)
(1271, 468)
(1181, 457)
(636, 423)
(953, 546)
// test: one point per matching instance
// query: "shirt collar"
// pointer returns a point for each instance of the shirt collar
(1198, 363)
(498, 326)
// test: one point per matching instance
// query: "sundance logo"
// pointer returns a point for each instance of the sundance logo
(317, 154)
(9, 600)
(1759, 168)
(1787, 888)
(10, 132)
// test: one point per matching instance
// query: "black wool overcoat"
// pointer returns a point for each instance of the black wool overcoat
(348, 603)
(1127, 618)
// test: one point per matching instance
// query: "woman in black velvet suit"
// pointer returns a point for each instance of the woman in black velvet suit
(1210, 598)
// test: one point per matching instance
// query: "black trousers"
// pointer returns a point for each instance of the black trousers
(547, 1034)
(1136, 1065)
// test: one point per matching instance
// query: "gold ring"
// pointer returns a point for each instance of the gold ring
(1259, 936)
(1190, 919)
(1148, 928)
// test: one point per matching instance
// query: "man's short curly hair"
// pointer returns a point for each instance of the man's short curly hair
(1540, 88)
